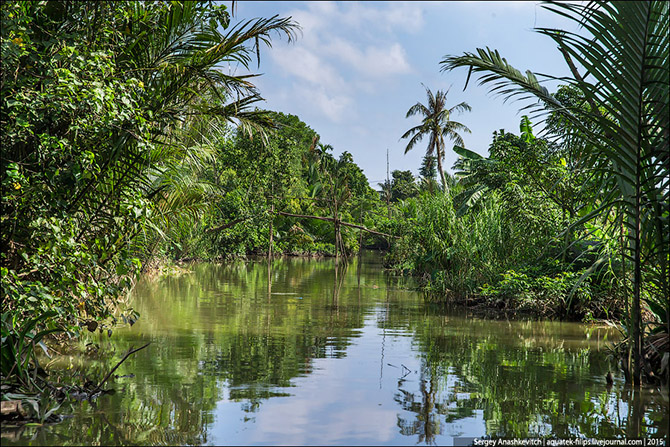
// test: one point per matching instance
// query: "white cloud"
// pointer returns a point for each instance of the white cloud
(392, 16)
(331, 66)
(309, 22)
(334, 106)
(346, 75)
(388, 17)
(372, 61)
(306, 65)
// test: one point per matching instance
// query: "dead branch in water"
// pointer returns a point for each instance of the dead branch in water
(128, 354)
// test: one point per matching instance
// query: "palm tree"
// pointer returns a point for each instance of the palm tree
(436, 124)
(179, 58)
(624, 130)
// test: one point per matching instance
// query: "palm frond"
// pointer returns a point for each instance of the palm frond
(624, 49)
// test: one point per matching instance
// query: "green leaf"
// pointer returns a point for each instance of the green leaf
(466, 153)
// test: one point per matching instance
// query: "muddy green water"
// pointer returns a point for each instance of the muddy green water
(297, 354)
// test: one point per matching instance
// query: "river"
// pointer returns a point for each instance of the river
(302, 353)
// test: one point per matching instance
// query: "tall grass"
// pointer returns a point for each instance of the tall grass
(456, 255)
(500, 253)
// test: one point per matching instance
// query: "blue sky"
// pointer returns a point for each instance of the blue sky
(357, 67)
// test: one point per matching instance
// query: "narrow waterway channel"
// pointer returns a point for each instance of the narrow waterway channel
(299, 353)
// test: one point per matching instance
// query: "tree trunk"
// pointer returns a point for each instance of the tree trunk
(272, 215)
(439, 167)
(637, 282)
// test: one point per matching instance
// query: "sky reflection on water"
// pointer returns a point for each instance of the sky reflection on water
(318, 359)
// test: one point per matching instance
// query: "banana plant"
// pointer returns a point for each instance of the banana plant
(526, 129)
(467, 175)
(469, 172)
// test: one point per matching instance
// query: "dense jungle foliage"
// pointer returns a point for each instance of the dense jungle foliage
(110, 112)
(496, 235)
(124, 144)
(574, 224)
(289, 171)
(613, 126)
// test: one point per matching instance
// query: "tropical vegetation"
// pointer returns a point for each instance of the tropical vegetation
(593, 194)
(126, 144)
(436, 124)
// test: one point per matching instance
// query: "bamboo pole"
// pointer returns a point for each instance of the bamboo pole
(360, 232)
(337, 232)
(388, 185)
(360, 249)
(272, 214)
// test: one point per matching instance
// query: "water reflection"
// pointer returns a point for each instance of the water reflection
(553, 386)
(301, 352)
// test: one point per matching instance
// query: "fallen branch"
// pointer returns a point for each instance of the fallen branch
(128, 354)
(331, 219)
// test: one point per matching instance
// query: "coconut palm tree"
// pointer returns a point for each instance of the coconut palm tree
(437, 125)
(624, 131)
